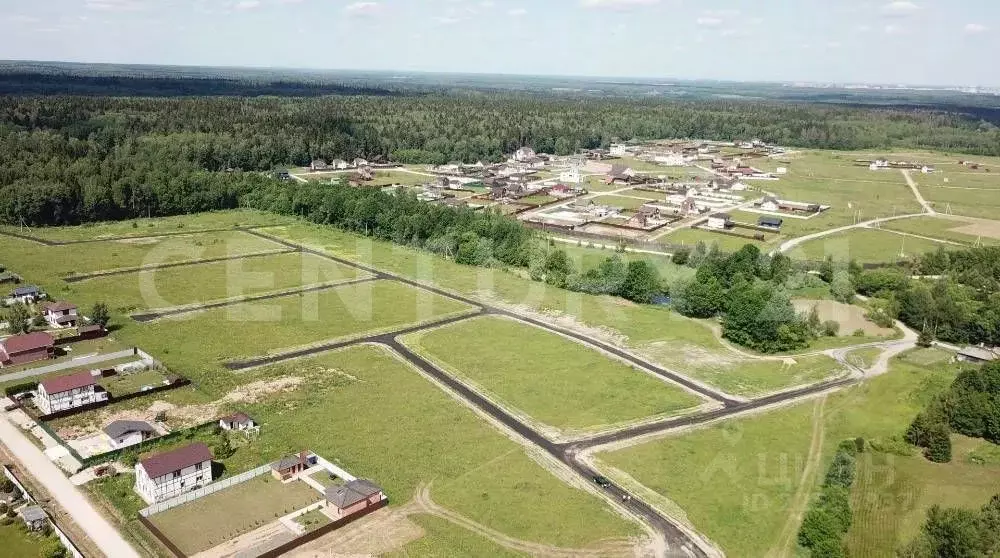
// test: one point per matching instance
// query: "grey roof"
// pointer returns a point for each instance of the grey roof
(351, 492)
(725, 216)
(33, 513)
(774, 221)
(289, 461)
(119, 428)
(978, 353)
(24, 290)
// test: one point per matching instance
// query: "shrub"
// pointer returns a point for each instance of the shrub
(859, 332)
(831, 328)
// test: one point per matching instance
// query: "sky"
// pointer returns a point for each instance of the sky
(935, 42)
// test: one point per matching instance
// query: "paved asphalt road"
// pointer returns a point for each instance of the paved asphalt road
(90, 520)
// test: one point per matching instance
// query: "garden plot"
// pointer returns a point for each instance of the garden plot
(179, 286)
(555, 381)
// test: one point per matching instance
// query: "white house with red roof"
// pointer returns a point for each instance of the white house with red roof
(165, 475)
(68, 392)
(61, 314)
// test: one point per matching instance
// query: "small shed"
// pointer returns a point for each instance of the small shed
(770, 222)
(719, 221)
(34, 518)
(976, 355)
(237, 421)
(290, 466)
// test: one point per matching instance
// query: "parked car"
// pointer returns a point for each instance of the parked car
(602, 481)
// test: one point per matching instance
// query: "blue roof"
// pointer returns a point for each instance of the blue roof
(24, 290)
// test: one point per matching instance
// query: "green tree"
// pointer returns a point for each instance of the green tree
(642, 282)
(698, 299)
(99, 314)
(681, 256)
(826, 270)
(938, 443)
(18, 318)
(841, 287)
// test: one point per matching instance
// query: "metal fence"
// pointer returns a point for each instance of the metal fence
(204, 491)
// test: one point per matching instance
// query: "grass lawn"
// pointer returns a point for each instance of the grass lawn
(124, 384)
(207, 282)
(551, 379)
(444, 539)
(16, 541)
(620, 201)
(866, 246)
(864, 358)
(537, 199)
(323, 477)
(892, 494)
(736, 479)
(946, 228)
(313, 520)
(757, 377)
(228, 513)
(159, 225)
(47, 265)
(196, 344)
(408, 433)
(586, 257)
(596, 184)
(726, 243)
(968, 192)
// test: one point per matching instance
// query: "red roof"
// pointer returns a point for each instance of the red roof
(27, 342)
(168, 462)
(59, 306)
(67, 383)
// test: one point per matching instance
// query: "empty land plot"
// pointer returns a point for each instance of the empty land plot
(984, 203)
(212, 220)
(586, 257)
(414, 435)
(223, 515)
(290, 322)
(735, 480)
(866, 246)
(49, 263)
(851, 318)
(553, 380)
(725, 242)
(619, 201)
(201, 283)
(597, 184)
(386, 178)
(443, 539)
(892, 493)
(956, 229)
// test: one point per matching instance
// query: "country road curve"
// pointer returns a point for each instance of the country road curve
(792, 243)
(104, 535)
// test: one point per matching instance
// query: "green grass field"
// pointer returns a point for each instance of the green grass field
(725, 242)
(444, 539)
(619, 201)
(892, 494)
(866, 246)
(947, 228)
(124, 384)
(553, 380)
(228, 513)
(46, 265)
(736, 480)
(211, 220)
(16, 540)
(201, 283)
(586, 257)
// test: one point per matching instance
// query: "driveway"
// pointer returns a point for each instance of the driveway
(106, 537)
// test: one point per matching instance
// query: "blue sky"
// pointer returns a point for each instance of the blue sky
(901, 41)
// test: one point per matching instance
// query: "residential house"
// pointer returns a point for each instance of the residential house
(926, 170)
(68, 392)
(879, 164)
(365, 174)
(339, 164)
(534, 163)
(125, 433)
(620, 174)
(571, 176)
(318, 165)
(22, 349)
(165, 475)
(237, 421)
(781, 170)
(769, 222)
(359, 162)
(25, 294)
(34, 518)
(617, 150)
(61, 314)
(9, 277)
(719, 221)
(290, 466)
(976, 355)
(353, 497)
(806, 207)
(770, 203)
(524, 154)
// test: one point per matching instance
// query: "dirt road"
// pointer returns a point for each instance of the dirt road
(104, 535)
(916, 193)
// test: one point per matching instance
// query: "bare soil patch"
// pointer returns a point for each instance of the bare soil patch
(980, 227)
(851, 318)
(376, 534)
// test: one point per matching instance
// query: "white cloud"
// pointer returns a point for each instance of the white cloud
(722, 13)
(362, 9)
(863, 28)
(289, 1)
(834, 44)
(892, 29)
(22, 19)
(446, 20)
(487, 3)
(517, 12)
(975, 28)
(617, 4)
(706, 21)
(900, 8)
(244, 5)
(114, 5)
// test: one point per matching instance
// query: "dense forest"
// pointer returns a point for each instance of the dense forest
(71, 159)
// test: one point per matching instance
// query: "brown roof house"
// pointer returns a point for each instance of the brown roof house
(68, 392)
(237, 421)
(165, 475)
(289, 467)
(22, 349)
(353, 497)
(61, 314)
(620, 174)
